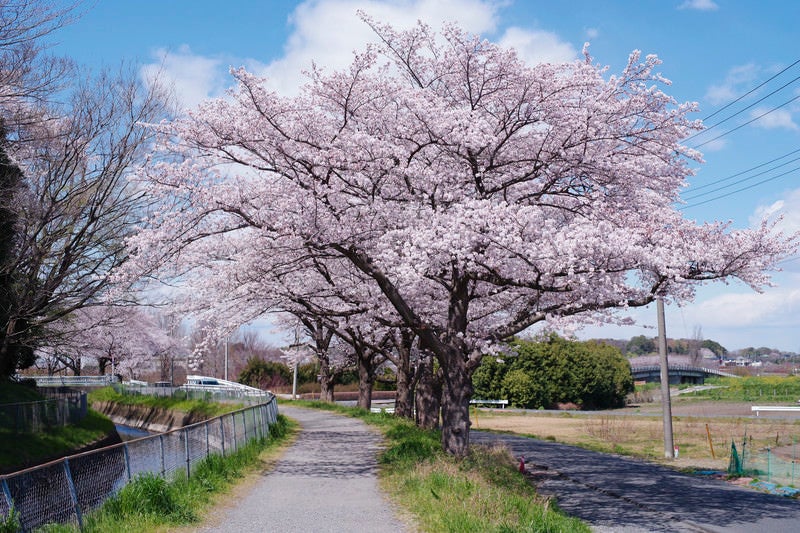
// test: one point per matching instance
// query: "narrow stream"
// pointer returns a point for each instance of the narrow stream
(129, 433)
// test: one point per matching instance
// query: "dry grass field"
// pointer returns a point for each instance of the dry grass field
(639, 431)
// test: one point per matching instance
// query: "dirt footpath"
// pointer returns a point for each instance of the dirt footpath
(325, 482)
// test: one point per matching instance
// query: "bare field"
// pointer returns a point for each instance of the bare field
(639, 431)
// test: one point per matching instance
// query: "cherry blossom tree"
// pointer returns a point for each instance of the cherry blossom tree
(473, 195)
(122, 340)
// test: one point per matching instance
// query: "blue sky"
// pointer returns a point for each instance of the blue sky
(714, 51)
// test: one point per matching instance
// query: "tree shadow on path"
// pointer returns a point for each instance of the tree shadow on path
(618, 493)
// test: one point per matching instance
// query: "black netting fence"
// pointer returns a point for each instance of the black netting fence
(62, 491)
(778, 465)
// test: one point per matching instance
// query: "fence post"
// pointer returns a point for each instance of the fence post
(188, 459)
(233, 418)
(73, 493)
(262, 422)
(127, 460)
(163, 466)
(208, 448)
(769, 466)
(222, 432)
(7, 494)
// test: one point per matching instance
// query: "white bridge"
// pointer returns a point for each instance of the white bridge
(211, 384)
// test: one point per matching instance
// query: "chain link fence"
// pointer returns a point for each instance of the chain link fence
(62, 491)
(32, 417)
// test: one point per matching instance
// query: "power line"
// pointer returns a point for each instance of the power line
(737, 182)
(789, 260)
(739, 190)
(742, 110)
(699, 187)
(751, 91)
(740, 126)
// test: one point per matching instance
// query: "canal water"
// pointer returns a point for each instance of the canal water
(129, 433)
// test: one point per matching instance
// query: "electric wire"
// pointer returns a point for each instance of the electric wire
(748, 93)
(722, 180)
(739, 190)
(740, 126)
(709, 128)
(694, 194)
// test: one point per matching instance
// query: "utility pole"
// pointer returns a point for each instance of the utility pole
(294, 382)
(669, 450)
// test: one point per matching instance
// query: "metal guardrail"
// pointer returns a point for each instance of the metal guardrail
(775, 408)
(63, 491)
(501, 403)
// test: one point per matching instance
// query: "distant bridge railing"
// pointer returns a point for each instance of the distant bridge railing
(649, 369)
(72, 381)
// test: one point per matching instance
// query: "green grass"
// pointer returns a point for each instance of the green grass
(201, 408)
(151, 503)
(18, 449)
(753, 389)
(483, 493)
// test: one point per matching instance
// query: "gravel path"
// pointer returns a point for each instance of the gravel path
(616, 494)
(325, 482)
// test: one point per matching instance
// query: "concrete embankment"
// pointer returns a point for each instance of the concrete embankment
(152, 419)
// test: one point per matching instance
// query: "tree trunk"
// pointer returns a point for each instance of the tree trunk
(366, 379)
(403, 403)
(428, 394)
(456, 394)
(406, 378)
(326, 389)
(326, 378)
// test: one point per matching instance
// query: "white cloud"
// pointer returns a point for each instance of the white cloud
(699, 5)
(777, 306)
(788, 208)
(737, 81)
(592, 33)
(714, 146)
(193, 78)
(777, 119)
(326, 32)
(538, 46)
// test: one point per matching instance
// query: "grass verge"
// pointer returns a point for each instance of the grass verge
(151, 503)
(200, 408)
(482, 493)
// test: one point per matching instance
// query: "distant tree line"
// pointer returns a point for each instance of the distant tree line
(643, 345)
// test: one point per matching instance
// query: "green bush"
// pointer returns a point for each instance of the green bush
(543, 374)
(265, 375)
(520, 389)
